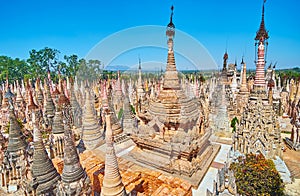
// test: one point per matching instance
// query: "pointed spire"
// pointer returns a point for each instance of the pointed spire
(91, 132)
(171, 74)
(112, 181)
(16, 140)
(72, 170)
(171, 25)
(262, 33)
(76, 109)
(49, 105)
(243, 88)
(225, 57)
(43, 171)
(261, 36)
(140, 66)
(31, 105)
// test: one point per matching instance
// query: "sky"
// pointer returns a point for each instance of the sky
(76, 27)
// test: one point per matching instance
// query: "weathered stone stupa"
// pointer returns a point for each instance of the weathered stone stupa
(128, 117)
(243, 94)
(14, 165)
(74, 179)
(44, 173)
(49, 108)
(92, 135)
(112, 181)
(76, 109)
(171, 140)
(259, 129)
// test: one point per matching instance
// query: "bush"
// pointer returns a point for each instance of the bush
(256, 175)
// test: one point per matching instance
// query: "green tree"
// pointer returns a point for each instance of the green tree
(233, 124)
(43, 60)
(72, 65)
(16, 69)
(88, 70)
(255, 175)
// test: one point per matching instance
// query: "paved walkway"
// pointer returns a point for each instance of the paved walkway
(207, 182)
(292, 160)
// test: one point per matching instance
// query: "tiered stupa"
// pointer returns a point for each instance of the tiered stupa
(118, 95)
(224, 70)
(74, 179)
(44, 173)
(49, 108)
(171, 140)
(116, 127)
(14, 165)
(112, 181)
(76, 109)
(57, 144)
(128, 117)
(243, 94)
(92, 135)
(259, 129)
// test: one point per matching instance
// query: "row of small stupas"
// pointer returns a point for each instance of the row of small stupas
(257, 103)
(167, 119)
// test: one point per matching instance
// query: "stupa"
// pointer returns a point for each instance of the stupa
(112, 181)
(14, 165)
(259, 130)
(171, 140)
(74, 178)
(49, 108)
(45, 176)
(92, 135)
(243, 94)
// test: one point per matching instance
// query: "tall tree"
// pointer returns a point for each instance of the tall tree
(43, 60)
(88, 70)
(16, 69)
(72, 65)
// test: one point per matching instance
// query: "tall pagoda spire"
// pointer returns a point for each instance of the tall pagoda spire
(261, 37)
(244, 88)
(16, 140)
(225, 58)
(262, 32)
(171, 76)
(45, 175)
(140, 73)
(74, 179)
(112, 181)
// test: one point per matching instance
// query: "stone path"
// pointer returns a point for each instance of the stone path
(207, 182)
(292, 160)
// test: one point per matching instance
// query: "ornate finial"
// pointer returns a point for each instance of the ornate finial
(262, 33)
(171, 25)
(225, 57)
(31, 105)
(140, 67)
(242, 61)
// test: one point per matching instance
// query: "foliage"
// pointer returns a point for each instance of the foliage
(233, 123)
(16, 69)
(256, 175)
(44, 60)
(132, 109)
(88, 70)
(120, 114)
(71, 67)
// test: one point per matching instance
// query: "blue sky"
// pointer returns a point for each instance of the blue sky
(75, 27)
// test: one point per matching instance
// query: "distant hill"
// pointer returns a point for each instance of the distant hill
(116, 68)
(296, 69)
